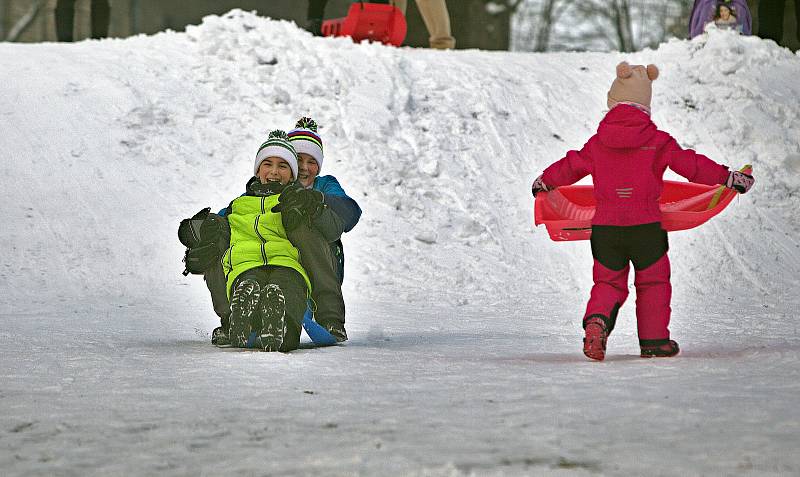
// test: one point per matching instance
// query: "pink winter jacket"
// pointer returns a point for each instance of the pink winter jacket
(627, 159)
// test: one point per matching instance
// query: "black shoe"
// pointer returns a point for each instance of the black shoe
(338, 332)
(219, 337)
(244, 302)
(659, 349)
(273, 319)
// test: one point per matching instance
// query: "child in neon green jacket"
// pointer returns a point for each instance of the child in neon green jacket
(266, 284)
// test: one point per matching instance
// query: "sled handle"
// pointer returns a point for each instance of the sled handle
(747, 169)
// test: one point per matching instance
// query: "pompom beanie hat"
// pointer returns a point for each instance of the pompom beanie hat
(633, 84)
(305, 139)
(277, 145)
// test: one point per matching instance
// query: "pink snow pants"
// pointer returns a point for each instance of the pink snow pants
(613, 248)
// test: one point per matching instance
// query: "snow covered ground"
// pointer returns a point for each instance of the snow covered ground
(464, 357)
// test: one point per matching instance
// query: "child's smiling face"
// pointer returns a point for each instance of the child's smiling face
(274, 169)
(307, 169)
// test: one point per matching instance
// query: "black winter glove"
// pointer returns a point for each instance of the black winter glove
(288, 196)
(297, 204)
(256, 188)
(200, 235)
(199, 259)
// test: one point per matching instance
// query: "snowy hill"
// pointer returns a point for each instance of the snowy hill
(464, 320)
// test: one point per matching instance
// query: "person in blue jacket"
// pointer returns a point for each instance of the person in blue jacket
(321, 254)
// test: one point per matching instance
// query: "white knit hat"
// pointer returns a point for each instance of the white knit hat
(305, 139)
(277, 145)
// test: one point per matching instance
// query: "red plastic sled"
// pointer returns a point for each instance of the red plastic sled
(369, 21)
(567, 211)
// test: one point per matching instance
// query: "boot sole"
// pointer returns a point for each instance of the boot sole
(244, 302)
(273, 319)
(594, 344)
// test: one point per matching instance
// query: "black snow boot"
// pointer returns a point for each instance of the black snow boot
(273, 319)
(244, 302)
(219, 337)
(337, 331)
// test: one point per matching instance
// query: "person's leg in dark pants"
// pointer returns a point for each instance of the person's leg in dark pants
(326, 289)
(267, 305)
(65, 19)
(797, 18)
(770, 19)
(316, 11)
(293, 290)
(217, 284)
(101, 13)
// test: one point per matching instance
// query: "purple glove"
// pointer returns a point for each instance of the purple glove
(739, 181)
(539, 186)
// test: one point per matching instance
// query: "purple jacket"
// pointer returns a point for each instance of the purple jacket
(703, 13)
(627, 159)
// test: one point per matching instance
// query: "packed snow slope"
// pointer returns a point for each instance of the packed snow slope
(464, 355)
(109, 144)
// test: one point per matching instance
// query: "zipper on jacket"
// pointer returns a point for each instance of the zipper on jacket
(230, 262)
(255, 227)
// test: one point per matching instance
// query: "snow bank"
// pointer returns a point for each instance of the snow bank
(108, 144)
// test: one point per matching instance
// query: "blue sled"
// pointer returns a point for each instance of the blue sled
(319, 335)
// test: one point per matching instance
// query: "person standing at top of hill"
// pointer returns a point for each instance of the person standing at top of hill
(65, 19)
(627, 159)
(434, 14)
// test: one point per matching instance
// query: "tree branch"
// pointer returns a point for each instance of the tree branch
(25, 21)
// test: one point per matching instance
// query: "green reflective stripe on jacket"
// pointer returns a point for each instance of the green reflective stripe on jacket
(258, 238)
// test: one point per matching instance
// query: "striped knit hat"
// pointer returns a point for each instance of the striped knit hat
(305, 139)
(277, 145)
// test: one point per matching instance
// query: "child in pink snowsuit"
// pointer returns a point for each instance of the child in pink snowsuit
(627, 159)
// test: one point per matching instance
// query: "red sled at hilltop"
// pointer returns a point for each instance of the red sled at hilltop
(567, 211)
(369, 21)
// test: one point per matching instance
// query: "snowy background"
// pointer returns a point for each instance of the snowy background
(465, 341)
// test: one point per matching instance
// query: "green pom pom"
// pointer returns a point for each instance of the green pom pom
(306, 123)
(278, 134)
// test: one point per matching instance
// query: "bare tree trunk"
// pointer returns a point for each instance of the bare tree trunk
(2, 19)
(621, 14)
(134, 18)
(25, 21)
(546, 21)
